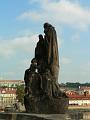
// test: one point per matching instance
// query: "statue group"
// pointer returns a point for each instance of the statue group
(42, 91)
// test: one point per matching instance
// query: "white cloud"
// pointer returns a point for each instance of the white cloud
(21, 44)
(19, 51)
(65, 60)
(61, 11)
(18, 44)
(30, 15)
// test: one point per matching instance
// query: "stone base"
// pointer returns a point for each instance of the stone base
(46, 105)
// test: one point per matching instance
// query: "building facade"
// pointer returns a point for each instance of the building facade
(78, 100)
(10, 83)
(7, 97)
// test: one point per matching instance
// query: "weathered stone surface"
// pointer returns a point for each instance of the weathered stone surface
(42, 91)
(25, 116)
(47, 105)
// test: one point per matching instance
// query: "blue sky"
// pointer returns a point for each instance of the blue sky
(22, 20)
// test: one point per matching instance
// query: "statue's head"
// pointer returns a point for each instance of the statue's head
(40, 37)
(46, 25)
(34, 61)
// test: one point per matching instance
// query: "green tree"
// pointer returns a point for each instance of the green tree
(20, 93)
(73, 85)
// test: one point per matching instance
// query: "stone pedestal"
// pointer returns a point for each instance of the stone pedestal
(46, 105)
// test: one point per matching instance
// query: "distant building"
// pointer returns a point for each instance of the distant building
(78, 100)
(7, 96)
(71, 92)
(8, 92)
(84, 89)
(10, 83)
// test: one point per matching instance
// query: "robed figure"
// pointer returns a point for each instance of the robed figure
(52, 50)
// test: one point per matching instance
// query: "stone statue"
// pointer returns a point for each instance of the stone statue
(42, 91)
(52, 49)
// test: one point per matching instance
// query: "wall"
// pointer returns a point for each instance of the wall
(25, 116)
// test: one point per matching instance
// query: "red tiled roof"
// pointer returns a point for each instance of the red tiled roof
(11, 80)
(71, 92)
(85, 87)
(7, 91)
(79, 97)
